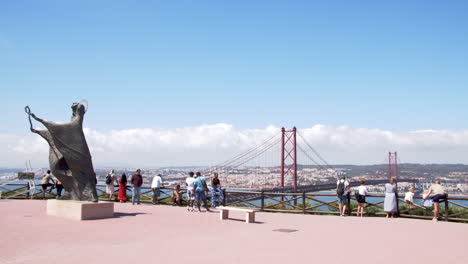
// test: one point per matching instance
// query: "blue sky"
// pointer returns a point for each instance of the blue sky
(391, 65)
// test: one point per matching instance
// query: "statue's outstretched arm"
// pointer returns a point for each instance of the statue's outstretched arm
(28, 111)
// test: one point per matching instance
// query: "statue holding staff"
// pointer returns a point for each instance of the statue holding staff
(69, 156)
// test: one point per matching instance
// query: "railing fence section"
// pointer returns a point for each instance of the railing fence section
(306, 203)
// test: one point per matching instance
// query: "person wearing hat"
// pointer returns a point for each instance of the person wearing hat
(155, 187)
(342, 191)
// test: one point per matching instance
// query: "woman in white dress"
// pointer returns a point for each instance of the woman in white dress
(110, 180)
(390, 203)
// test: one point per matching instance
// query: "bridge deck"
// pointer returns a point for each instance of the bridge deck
(163, 234)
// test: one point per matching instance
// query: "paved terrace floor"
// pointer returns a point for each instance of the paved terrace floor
(166, 234)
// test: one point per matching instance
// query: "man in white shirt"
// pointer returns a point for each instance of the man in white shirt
(342, 191)
(156, 186)
(46, 183)
(190, 181)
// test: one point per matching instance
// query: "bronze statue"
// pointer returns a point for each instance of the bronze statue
(69, 156)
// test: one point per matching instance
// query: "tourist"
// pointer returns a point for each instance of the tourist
(176, 195)
(46, 179)
(361, 198)
(342, 191)
(137, 182)
(110, 180)
(156, 186)
(190, 181)
(200, 189)
(409, 198)
(59, 186)
(439, 195)
(216, 187)
(122, 195)
(390, 202)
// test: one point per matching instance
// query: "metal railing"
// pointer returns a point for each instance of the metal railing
(305, 203)
(314, 203)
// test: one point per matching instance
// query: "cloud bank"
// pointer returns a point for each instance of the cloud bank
(211, 144)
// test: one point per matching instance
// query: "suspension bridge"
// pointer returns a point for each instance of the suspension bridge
(287, 163)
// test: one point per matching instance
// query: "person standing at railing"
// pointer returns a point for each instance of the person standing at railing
(216, 187)
(361, 198)
(122, 196)
(137, 182)
(439, 194)
(46, 183)
(156, 187)
(190, 181)
(390, 202)
(110, 180)
(200, 190)
(342, 191)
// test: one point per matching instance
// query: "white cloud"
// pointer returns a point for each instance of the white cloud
(212, 144)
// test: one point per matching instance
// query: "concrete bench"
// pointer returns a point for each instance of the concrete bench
(249, 213)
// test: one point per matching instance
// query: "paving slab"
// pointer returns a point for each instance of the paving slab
(158, 233)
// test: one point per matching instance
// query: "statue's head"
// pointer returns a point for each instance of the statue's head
(78, 109)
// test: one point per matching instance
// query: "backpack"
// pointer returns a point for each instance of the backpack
(341, 188)
(108, 179)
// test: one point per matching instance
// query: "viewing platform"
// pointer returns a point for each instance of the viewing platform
(160, 233)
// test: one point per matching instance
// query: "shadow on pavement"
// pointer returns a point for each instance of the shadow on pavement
(118, 215)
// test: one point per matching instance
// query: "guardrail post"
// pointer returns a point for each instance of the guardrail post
(303, 202)
(397, 204)
(262, 204)
(27, 188)
(224, 197)
(348, 212)
(446, 208)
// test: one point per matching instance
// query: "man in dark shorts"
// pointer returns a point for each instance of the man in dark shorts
(342, 191)
(439, 195)
(46, 183)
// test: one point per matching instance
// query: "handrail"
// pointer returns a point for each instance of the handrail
(294, 202)
(290, 205)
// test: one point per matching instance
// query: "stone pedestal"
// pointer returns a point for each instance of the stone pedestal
(79, 210)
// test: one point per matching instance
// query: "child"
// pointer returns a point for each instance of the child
(409, 198)
(176, 195)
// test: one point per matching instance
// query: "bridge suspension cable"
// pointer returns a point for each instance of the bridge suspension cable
(252, 156)
(247, 156)
(315, 152)
(310, 158)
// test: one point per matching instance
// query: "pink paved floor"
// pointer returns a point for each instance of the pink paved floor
(155, 234)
